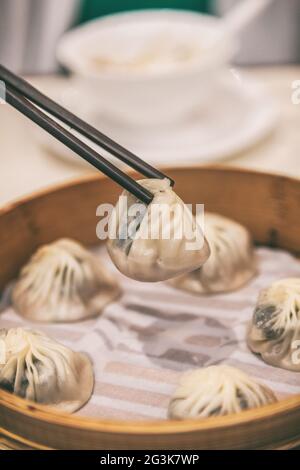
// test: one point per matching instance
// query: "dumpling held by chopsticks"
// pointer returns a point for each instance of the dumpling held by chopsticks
(155, 242)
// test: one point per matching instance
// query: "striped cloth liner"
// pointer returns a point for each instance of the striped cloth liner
(141, 344)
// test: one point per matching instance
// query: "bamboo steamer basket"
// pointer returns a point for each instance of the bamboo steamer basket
(267, 204)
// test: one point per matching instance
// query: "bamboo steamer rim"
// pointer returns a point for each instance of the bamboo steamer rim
(46, 414)
(50, 415)
(90, 178)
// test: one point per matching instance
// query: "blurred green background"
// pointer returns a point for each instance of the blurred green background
(94, 8)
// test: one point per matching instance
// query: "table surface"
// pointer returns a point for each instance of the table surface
(25, 166)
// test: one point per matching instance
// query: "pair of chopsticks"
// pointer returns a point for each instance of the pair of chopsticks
(39, 108)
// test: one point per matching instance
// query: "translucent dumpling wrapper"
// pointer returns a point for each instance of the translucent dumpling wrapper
(231, 263)
(275, 329)
(216, 391)
(155, 242)
(63, 282)
(37, 368)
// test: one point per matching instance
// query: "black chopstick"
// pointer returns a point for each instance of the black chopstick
(34, 95)
(15, 99)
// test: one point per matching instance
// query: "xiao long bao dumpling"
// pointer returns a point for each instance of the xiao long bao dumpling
(215, 391)
(41, 370)
(275, 329)
(231, 263)
(145, 252)
(63, 282)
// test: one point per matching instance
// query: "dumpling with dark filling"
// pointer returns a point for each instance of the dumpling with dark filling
(216, 391)
(38, 368)
(274, 332)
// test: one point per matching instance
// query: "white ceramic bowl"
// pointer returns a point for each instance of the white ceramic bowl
(150, 66)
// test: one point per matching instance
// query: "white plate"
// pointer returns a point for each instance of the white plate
(242, 113)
